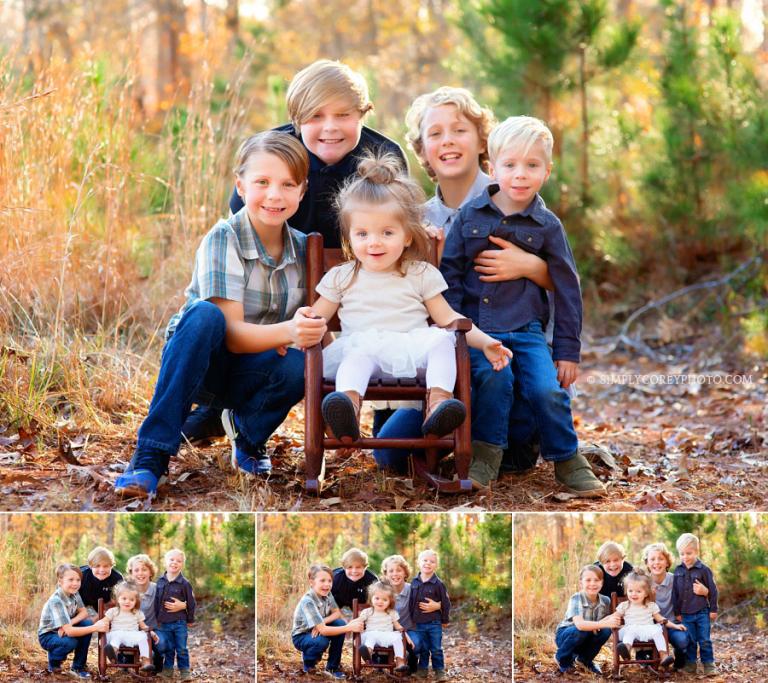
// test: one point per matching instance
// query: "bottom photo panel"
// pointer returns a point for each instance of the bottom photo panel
(121, 597)
(376, 596)
(637, 597)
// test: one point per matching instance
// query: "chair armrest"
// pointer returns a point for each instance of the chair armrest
(459, 325)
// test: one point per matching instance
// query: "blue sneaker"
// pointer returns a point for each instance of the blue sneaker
(143, 475)
(81, 673)
(257, 464)
(202, 424)
(335, 673)
(591, 666)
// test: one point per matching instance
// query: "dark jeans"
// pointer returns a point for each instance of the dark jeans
(175, 635)
(158, 650)
(260, 387)
(58, 647)
(679, 642)
(312, 648)
(698, 635)
(431, 635)
(414, 652)
(585, 645)
(533, 369)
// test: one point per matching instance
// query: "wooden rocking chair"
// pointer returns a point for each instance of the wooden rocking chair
(382, 658)
(319, 260)
(129, 655)
(651, 663)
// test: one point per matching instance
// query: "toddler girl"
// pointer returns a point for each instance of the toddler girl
(384, 295)
(381, 624)
(126, 625)
(639, 614)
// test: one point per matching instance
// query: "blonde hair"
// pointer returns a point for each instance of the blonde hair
(354, 555)
(520, 131)
(609, 549)
(482, 118)
(282, 145)
(101, 555)
(591, 568)
(65, 567)
(397, 560)
(660, 548)
(315, 569)
(319, 83)
(142, 559)
(639, 576)
(382, 587)
(380, 180)
(428, 551)
(685, 540)
(127, 587)
(175, 551)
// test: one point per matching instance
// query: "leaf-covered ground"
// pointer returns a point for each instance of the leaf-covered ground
(221, 651)
(701, 444)
(473, 654)
(741, 655)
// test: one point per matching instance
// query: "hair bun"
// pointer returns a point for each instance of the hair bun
(382, 170)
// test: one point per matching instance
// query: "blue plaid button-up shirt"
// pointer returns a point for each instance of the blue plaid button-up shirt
(59, 611)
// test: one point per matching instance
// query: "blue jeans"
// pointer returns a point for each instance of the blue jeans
(175, 635)
(197, 367)
(585, 645)
(312, 648)
(413, 654)
(698, 635)
(532, 367)
(431, 635)
(58, 647)
(679, 641)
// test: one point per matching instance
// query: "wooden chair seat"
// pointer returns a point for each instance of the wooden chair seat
(319, 260)
(125, 651)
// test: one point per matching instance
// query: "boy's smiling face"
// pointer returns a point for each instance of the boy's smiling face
(689, 555)
(174, 563)
(613, 564)
(519, 175)
(322, 583)
(70, 582)
(451, 143)
(657, 563)
(140, 573)
(428, 564)
(333, 131)
(355, 571)
(591, 583)
(102, 570)
(395, 574)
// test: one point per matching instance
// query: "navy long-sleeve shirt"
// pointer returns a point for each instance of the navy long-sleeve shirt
(91, 588)
(316, 212)
(345, 591)
(501, 307)
(614, 584)
(684, 600)
(180, 589)
(434, 589)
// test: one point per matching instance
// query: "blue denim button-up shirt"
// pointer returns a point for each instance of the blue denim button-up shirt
(501, 307)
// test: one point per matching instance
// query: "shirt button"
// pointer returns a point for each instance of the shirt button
(530, 239)
(485, 299)
(474, 231)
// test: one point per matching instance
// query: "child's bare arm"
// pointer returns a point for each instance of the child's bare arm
(397, 625)
(324, 308)
(81, 614)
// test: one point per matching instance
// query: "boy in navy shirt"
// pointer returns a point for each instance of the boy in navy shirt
(352, 579)
(429, 625)
(517, 311)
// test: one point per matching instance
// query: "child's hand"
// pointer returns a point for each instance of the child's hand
(713, 616)
(155, 637)
(307, 330)
(434, 231)
(497, 354)
(679, 627)
(699, 588)
(282, 350)
(567, 372)
(61, 632)
(408, 640)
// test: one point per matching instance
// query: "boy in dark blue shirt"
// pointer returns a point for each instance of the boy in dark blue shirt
(517, 311)
(352, 579)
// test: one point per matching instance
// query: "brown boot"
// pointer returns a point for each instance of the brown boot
(341, 412)
(444, 413)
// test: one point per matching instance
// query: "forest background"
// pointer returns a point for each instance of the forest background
(551, 549)
(475, 563)
(118, 121)
(219, 563)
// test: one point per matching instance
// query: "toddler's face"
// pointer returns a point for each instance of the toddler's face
(451, 141)
(428, 564)
(322, 583)
(591, 583)
(380, 601)
(101, 570)
(636, 592)
(333, 131)
(377, 236)
(613, 564)
(70, 582)
(657, 563)
(395, 574)
(174, 563)
(127, 600)
(689, 555)
(355, 571)
(520, 176)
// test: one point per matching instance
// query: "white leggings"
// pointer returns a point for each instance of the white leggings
(384, 638)
(131, 639)
(654, 632)
(356, 369)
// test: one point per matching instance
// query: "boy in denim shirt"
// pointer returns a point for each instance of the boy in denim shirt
(174, 625)
(696, 612)
(429, 625)
(517, 311)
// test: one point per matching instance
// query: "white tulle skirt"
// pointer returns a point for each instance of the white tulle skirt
(398, 354)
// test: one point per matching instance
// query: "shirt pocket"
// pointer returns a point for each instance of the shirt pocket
(528, 238)
(475, 231)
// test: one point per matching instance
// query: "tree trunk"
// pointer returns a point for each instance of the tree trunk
(584, 126)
